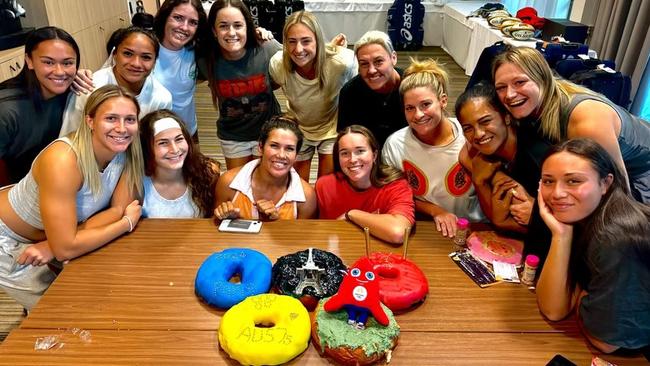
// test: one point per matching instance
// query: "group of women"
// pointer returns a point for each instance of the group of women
(531, 153)
(127, 148)
(549, 156)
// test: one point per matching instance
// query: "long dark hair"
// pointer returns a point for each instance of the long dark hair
(281, 122)
(251, 39)
(26, 79)
(126, 32)
(166, 9)
(617, 220)
(210, 48)
(481, 91)
(381, 174)
(198, 169)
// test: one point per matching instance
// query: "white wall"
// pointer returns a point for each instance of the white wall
(577, 9)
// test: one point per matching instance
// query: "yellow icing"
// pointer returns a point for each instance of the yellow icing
(253, 345)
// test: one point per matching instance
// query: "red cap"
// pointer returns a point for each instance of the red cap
(532, 260)
(528, 15)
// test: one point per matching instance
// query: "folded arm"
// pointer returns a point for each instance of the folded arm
(388, 227)
(503, 197)
(59, 180)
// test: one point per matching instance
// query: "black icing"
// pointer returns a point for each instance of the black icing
(285, 276)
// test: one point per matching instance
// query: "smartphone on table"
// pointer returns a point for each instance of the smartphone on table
(240, 226)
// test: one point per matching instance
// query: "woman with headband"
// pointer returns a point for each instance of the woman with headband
(179, 180)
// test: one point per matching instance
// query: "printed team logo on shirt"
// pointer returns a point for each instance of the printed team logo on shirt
(238, 108)
(236, 88)
(416, 178)
(457, 180)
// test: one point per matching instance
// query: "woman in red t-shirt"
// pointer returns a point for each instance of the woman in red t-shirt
(363, 191)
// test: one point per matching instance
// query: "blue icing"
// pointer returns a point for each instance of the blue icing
(212, 279)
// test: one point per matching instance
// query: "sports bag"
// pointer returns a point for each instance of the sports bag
(486, 9)
(483, 71)
(566, 68)
(615, 86)
(556, 51)
(405, 24)
(281, 10)
(262, 12)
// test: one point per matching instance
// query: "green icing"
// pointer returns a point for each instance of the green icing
(334, 331)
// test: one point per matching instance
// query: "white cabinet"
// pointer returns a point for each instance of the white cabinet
(11, 62)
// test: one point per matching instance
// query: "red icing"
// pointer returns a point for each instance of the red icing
(401, 282)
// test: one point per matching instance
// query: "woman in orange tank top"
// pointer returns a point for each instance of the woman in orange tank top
(268, 188)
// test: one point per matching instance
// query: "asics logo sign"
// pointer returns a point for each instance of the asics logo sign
(255, 15)
(406, 26)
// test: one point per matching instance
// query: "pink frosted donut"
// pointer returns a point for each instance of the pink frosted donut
(490, 246)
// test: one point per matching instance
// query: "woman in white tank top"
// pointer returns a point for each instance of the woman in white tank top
(179, 181)
(77, 196)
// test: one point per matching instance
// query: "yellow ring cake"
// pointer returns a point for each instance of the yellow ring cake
(266, 329)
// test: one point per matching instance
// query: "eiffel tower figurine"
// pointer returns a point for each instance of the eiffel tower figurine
(309, 276)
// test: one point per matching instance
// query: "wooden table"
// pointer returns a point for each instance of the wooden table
(136, 297)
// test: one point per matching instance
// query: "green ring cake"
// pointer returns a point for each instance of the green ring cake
(347, 345)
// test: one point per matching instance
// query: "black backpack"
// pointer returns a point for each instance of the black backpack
(557, 51)
(281, 10)
(566, 68)
(615, 86)
(485, 10)
(405, 24)
(483, 71)
(261, 11)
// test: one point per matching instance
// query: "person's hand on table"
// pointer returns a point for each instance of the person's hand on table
(446, 224)
(226, 210)
(345, 215)
(133, 212)
(267, 208)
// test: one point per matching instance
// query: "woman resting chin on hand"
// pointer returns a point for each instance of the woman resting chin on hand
(598, 263)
